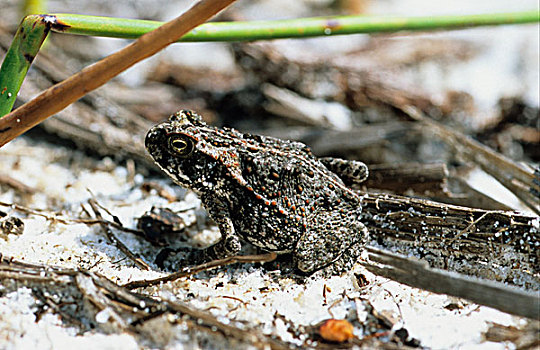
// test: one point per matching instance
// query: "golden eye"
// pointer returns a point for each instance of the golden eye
(181, 145)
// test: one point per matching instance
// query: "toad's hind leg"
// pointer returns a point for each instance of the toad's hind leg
(334, 242)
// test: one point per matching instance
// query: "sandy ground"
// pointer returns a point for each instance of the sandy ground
(244, 292)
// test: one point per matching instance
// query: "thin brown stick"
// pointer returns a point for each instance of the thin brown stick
(70, 90)
(16, 184)
(114, 240)
(188, 271)
(39, 212)
(467, 229)
(58, 218)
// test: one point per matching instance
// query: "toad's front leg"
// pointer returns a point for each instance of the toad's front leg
(227, 246)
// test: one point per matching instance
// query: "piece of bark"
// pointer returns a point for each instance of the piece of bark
(464, 195)
(406, 177)
(498, 245)
(520, 179)
(324, 142)
(285, 103)
(417, 273)
(430, 181)
(10, 225)
(522, 336)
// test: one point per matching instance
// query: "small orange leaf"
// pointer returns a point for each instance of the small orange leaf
(336, 330)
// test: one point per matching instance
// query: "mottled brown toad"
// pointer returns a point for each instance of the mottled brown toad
(272, 193)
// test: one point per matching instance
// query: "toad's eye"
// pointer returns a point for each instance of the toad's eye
(181, 145)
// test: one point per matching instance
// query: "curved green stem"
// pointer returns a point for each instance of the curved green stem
(290, 28)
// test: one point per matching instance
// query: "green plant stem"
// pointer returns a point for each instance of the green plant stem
(33, 31)
(27, 41)
(291, 28)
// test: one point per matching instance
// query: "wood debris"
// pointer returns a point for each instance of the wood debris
(93, 302)
(418, 274)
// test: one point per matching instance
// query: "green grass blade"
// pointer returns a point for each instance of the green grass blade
(27, 41)
(291, 28)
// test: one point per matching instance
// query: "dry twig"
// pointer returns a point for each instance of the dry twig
(54, 217)
(68, 91)
(189, 271)
(114, 240)
(16, 185)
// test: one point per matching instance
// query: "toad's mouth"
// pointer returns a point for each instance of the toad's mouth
(177, 176)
